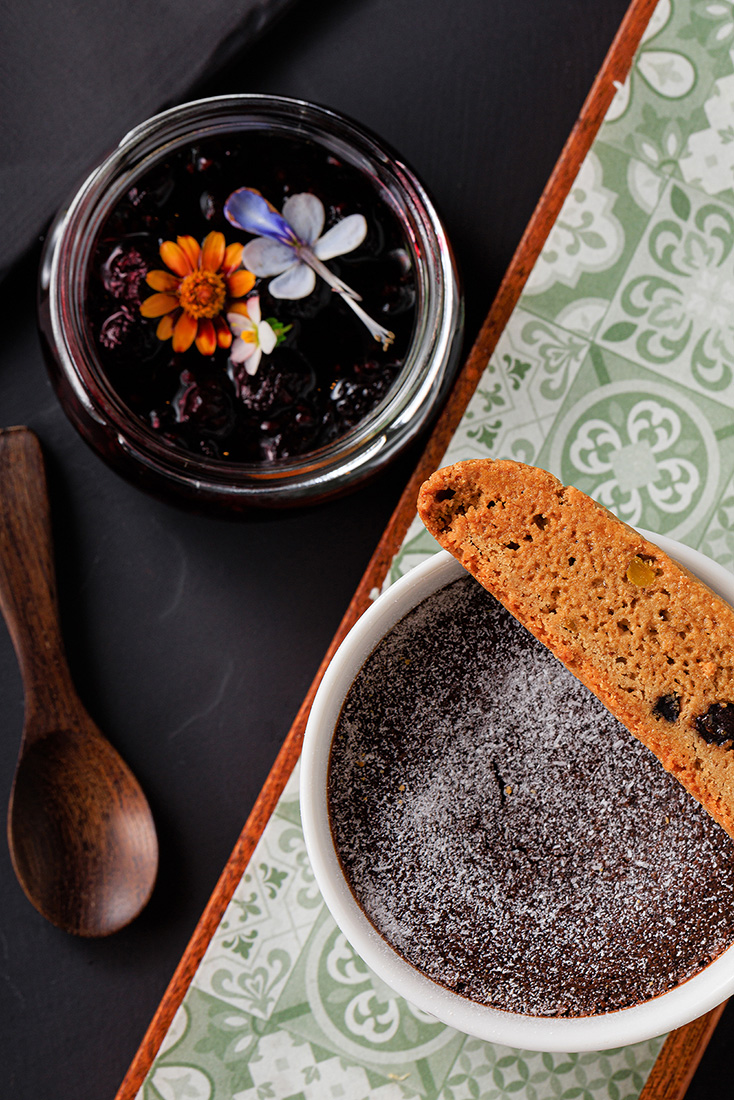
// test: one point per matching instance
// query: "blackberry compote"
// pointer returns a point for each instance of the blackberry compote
(328, 373)
(329, 404)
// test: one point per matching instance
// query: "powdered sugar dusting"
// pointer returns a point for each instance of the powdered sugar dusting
(506, 834)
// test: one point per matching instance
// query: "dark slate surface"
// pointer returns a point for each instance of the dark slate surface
(193, 640)
(75, 77)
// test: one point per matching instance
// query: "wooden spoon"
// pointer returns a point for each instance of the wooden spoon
(81, 835)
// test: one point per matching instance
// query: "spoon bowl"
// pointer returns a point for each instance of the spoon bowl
(82, 839)
(81, 835)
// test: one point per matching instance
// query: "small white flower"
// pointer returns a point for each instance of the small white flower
(253, 336)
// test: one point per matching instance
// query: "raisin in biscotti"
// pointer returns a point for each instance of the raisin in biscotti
(652, 642)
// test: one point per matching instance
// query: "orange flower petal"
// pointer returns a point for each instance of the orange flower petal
(190, 246)
(224, 333)
(238, 307)
(239, 283)
(165, 327)
(232, 258)
(185, 332)
(173, 256)
(162, 280)
(158, 304)
(212, 251)
(206, 338)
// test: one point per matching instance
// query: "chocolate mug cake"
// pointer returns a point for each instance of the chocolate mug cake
(506, 835)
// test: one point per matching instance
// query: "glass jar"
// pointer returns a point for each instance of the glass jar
(132, 446)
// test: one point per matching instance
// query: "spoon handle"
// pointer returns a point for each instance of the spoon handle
(27, 581)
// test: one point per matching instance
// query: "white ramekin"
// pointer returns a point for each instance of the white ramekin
(686, 1002)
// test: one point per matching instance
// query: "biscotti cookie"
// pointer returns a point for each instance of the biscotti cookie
(651, 641)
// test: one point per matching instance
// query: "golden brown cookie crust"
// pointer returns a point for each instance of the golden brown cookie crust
(637, 629)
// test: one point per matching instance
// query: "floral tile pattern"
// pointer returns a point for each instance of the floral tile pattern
(616, 372)
(593, 238)
(642, 447)
(684, 49)
(672, 313)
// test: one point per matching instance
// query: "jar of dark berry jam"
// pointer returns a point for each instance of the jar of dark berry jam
(147, 306)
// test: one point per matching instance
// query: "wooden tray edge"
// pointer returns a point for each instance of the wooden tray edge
(678, 1060)
(682, 1051)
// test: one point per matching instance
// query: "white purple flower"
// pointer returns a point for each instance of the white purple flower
(290, 250)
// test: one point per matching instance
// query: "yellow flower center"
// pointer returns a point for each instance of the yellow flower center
(202, 294)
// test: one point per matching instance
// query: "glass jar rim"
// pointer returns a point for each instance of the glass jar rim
(408, 402)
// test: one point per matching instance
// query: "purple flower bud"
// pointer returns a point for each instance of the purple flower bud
(248, 210)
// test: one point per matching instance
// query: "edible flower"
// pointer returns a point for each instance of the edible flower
(192, 296)
(291, 250)
(253, 336)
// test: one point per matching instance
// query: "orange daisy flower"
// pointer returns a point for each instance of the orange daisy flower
(199, 287)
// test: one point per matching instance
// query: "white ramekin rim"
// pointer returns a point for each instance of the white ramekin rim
(670, 1010)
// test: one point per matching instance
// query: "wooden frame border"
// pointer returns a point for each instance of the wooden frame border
(683, 1048)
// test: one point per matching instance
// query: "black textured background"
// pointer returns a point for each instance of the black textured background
(192, 640)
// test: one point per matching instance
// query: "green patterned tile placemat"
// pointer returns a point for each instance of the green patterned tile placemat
(616, 372)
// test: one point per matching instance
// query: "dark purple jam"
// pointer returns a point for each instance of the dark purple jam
(506, 834)
(327, 375)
